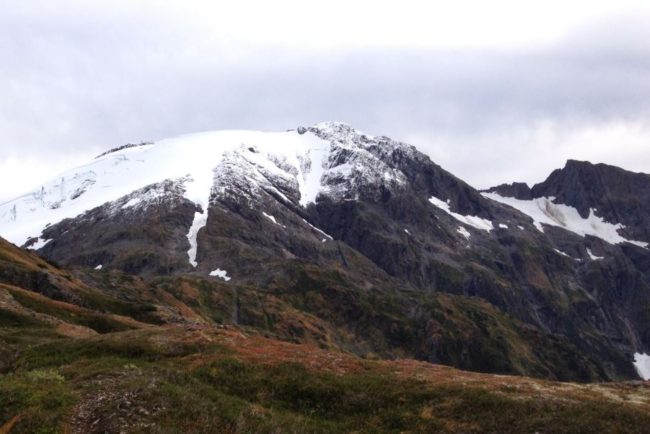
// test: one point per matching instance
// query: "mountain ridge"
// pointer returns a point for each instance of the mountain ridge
(382, 239)
(111, 358)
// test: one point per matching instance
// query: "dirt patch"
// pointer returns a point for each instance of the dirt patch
(113, 406)
(6, 428)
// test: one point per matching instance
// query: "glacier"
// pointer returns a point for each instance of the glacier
(303, 163)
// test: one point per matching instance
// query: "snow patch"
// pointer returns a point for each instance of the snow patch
(99, 267)
(521, 227)
(561, 253)
(594, 257)
(40, 243)
(503, 226)
(132, 202)
(642, 365)
(318, 230)
(270, 217)
(312, 169)
(200, 220)
(407, 231)
(223, 274)
(464, 232)
(544, 211)
(474, 221)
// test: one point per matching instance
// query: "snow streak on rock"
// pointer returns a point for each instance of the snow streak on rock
(594, 257)
(474, 221)
(561, 253)
(318, 230)
(270, 217)
(355, 160)
(200, 219)
(464, 232)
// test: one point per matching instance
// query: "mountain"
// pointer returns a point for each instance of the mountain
(616, 195)
(95, 351)
(358, 243)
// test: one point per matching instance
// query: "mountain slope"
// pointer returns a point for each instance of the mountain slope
(76, 366)
(608, 206)
(357, 242)
(228, 380)
(618, 197)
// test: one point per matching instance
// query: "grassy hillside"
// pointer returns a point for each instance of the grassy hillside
(206, 379)
(91, 352)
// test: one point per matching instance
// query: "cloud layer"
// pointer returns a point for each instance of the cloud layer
(78, 80)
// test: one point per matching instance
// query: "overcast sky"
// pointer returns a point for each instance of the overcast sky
(493, 91)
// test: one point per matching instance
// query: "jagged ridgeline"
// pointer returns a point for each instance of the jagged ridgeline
(329, 236)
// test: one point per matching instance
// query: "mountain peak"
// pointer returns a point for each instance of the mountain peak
(577, 163)
(328, 159)
(613, 195)
(333, 126)
(258, 212)
(517, 190)
(338, 132)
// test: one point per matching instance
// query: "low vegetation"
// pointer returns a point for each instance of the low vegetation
(206, 379)
(105, 352)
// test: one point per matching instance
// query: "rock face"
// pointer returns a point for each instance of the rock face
(618, 195)
(518, 190)
(379, 249)
(141, 233)
(615, 194)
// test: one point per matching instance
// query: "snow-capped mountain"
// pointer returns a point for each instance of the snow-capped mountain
(246, 208)
(589, 199)
(302, 163)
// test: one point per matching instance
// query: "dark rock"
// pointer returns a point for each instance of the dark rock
(518, 190)
(398, 278)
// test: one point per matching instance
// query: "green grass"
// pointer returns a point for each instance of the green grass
(375, 402)
(41, 398)
(126, 346)
(98, 322)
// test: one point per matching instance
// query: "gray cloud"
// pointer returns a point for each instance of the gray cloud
(78, 84)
